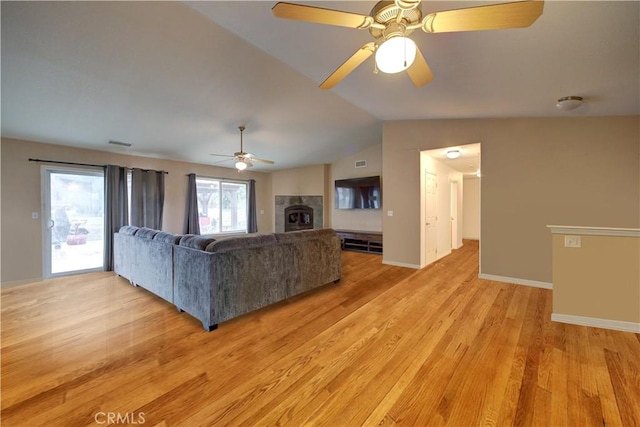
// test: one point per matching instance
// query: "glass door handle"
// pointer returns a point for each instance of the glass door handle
(51, 224)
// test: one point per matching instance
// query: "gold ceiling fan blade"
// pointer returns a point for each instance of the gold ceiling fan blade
(349, 65)
(492, 17)
(321, 16)
(222, 161)
(256, 159)
(419, 72)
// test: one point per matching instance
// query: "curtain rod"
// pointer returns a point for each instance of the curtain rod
(82, 164)
(218, 178)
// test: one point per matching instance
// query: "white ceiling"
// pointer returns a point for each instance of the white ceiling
(176, 79)
(468, 163)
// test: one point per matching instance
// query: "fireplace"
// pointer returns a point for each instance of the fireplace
(298, 205)
(298, 217)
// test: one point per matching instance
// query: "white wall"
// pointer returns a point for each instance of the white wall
(471, 208)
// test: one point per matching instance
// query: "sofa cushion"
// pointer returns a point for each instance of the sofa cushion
(195, 242)
(146, 233)
(167, 237)
(293, 236)
(241, 242)
(128, 229)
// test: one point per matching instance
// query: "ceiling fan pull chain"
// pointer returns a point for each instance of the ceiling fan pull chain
(405, 52)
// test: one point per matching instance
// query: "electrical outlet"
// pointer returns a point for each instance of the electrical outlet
(389, 213)
(572, 242)
(34, 215)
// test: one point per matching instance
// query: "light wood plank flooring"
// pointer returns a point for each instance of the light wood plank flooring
(386, 346)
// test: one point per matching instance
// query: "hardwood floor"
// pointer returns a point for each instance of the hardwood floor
(388, 345)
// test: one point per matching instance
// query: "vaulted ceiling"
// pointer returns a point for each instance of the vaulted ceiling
(177, 79)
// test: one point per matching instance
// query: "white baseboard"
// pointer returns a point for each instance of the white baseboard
(616, 325)
(401, 264)
(516, 281)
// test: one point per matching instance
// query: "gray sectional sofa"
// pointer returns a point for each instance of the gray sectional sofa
(145, 257)
(217, 280)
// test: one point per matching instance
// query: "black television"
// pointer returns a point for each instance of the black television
(358, 193)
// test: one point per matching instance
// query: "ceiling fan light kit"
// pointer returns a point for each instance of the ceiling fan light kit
(567, 103)
(391, 22)
(395, 54)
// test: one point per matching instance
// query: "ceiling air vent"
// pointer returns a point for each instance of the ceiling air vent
(123, 144)
(361, 163)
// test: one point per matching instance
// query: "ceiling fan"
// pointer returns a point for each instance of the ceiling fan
(243, 159)
(390, 22)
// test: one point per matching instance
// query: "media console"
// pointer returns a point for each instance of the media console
(361, 241)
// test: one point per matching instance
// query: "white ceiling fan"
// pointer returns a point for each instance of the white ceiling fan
(243, 159)
(391, 22)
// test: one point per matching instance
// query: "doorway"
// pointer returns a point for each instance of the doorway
(73, 218)
(451, 172)
(454, 215)
(431, 217)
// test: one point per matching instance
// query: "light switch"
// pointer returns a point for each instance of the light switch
(261, 211)
(572, 242)
(389, 213)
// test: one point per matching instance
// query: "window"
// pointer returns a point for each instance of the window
(74, 214)
(222, 206)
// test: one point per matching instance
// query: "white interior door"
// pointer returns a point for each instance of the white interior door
(73, 217)
(454, 215)
(431, 217)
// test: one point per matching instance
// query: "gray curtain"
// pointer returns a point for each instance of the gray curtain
(116, 208)
(147, 198)
(252, 223)
(192, 218)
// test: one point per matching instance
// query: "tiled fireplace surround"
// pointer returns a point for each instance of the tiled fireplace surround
(282, 202)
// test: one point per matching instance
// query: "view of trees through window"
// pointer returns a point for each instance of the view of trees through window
(76, 220)
(222, 206)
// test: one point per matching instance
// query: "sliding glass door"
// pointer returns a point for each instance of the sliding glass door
(74, 221)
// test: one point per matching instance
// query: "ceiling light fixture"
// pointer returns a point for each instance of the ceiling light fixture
(567, 103)
(240, 165)
(453, 154)
(395, 54)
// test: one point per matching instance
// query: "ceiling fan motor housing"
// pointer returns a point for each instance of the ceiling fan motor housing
(407, 4)
(386, 13)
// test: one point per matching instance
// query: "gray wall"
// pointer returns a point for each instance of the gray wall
(21, 195)
(535, 172)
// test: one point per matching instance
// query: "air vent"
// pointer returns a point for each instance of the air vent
(361, 163)
(122, 144)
